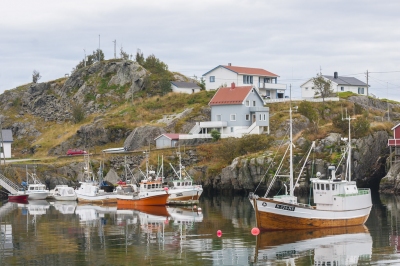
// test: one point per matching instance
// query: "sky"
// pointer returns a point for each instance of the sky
(295, 39)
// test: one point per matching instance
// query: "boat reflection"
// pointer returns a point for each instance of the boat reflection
(329, 246)
(65, 207)
(91, 213)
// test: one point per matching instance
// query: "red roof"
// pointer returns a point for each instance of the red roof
(251, 71)
(170, 136)
(230, 96)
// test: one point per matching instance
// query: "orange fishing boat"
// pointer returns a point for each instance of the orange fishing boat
(149, 193)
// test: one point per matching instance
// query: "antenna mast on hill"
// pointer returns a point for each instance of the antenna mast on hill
(115, 49)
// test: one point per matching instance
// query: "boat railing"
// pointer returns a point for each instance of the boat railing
(361, 191)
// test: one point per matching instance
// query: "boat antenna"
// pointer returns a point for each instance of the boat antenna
(291, 143)
(348, 118)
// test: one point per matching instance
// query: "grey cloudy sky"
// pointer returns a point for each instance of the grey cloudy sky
(292, 38)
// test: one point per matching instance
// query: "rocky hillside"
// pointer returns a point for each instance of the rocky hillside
(112, 104)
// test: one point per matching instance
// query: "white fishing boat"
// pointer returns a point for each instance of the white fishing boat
(63, 192)
(338, 202)
(89, 190)
(183, 188)
(36, 190)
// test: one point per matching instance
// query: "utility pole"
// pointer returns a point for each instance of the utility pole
(387, 90)
(84, 60)
(367, 95)
(2, 145)
(115, 47)
(98, 52)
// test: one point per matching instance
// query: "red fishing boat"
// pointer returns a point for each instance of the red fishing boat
(18, 197)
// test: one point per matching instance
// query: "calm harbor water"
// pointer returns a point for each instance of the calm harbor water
(67, 233)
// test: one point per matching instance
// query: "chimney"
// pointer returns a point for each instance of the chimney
(229, 64)
(233, 85)
(335, 75)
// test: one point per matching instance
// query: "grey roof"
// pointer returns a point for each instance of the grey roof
(182, 84)
(346, 81)
(7, 135)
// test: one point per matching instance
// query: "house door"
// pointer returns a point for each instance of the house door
(253, 118)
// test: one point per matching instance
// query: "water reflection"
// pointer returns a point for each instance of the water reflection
(332, 246)
(51, 233)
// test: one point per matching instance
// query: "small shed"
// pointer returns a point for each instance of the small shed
(7, 141)
(184, 87)
(167, 140)
(394, 143)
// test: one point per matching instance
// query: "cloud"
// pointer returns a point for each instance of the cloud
(291, 38)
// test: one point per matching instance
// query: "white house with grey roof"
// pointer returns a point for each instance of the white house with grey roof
(338, 83)
(7, 141)
(184, 87)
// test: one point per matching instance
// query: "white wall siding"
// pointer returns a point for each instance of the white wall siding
(184, 90)
(7, 150)
(163, 142)
(223, 77)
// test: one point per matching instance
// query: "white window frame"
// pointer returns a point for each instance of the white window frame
(247, 117)
(232, 117)
(218, 117)
(341, 88)
(212, 78)
(254, 103)
(247, 103)
(306, 88)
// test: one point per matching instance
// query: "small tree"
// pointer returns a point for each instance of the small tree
(202, 84)
(35, 76)
(78, 113)
(322, 87)
(215, 134)
(124, 55)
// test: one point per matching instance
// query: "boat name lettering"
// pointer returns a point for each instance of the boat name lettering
(284, 207)
(264, 204)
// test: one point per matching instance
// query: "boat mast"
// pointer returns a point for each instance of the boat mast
(291, 145)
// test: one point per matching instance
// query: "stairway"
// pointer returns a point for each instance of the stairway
(8, 184)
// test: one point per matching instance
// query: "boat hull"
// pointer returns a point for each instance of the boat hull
(65, 198)
(38, 195)
(156, 200)
(103, 199)
(273, 215)
(18, 198)
(183, 195)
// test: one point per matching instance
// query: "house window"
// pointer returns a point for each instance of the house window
(260, 117)
(212, 78)
(342, 88)
(247, 117)
(218, 117)
(247, 103)
(233, 117)
(360, 90)
(247, 79)
(312, 88)
(231, 129)
(265, 117)
(306, 88)
(254, 103)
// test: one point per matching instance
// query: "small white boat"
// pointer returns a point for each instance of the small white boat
(63, 192)
(89, 190)
(35, 190)
(183, 188)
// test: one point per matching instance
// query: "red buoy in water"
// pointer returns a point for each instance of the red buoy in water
(219, 233)
(255, 231)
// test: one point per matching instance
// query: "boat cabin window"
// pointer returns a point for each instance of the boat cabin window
(328, 186)
(178, 184)
(333, 186)
(322, 186)
(317, 186)
(153, 186)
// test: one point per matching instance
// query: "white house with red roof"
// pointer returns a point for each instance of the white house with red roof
(167, 140)
(264, 81)
(235, 111)
(394, 143)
